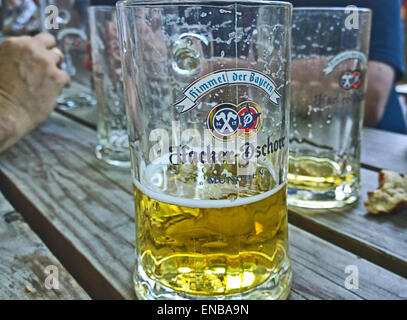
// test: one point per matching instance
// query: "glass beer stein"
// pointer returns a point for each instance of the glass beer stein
(329, 65)
(207, 97)
(113, 147)
(67, 21)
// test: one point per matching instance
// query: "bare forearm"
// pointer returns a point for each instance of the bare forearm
(375, 107)
(13, 124)
(7, 129)
(380, 82)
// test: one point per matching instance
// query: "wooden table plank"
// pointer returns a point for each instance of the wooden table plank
(24, 259)
(384, 150)
(72, 201)
(381, 239)
(319, 271)
(67, 200)
(85, 116)
(53, 177)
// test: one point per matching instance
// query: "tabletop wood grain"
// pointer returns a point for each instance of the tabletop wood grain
(384, 150)
(23, 263)
(378, 238)
(84, 211)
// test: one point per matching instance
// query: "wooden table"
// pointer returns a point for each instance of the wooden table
(77, 213)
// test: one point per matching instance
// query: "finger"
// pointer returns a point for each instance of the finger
(65, 78)
(49, 57)
(58, 56)
(46, 39)
(62, 78)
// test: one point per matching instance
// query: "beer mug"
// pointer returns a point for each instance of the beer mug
(207, 97)
(113, 145)
(329, 77)
(68, 21)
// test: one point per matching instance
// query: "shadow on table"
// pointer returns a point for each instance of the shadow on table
(398, 218)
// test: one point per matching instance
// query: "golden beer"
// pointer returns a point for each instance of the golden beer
(321, 175)
(312, 173)
(226, 248)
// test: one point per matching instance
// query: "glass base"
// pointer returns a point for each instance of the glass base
(81, 101)
(114, 158)
(77, 102)
(277, 287)
(340, 197)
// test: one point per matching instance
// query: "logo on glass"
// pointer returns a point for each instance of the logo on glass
(227, 120)
(351, 80)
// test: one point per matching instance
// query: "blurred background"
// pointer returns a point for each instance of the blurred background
(19, 17)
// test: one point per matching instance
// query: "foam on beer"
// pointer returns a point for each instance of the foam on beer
(205, 204)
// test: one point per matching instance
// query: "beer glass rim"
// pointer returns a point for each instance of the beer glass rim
(136, 3)
(102, 8)
(333, 9)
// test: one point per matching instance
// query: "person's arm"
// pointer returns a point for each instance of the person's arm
(380, 83)
(386, 56)
(30, 83)
(11, 125)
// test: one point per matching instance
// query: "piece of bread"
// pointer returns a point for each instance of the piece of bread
(391, 195)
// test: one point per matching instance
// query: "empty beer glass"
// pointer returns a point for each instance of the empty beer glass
(113, 145)
(207, 91)
(329, 66)
(67, 20)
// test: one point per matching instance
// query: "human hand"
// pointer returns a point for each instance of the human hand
(30, 82)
